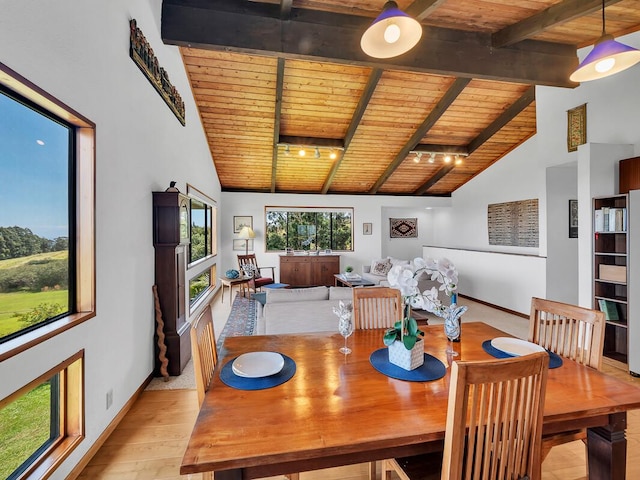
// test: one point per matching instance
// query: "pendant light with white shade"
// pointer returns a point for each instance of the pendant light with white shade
(391, 34)
(607, 58)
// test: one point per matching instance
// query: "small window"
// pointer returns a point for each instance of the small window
(203, 220)
(199, 285)
(42, 420)
(309, 229)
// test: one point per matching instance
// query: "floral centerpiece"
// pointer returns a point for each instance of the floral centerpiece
(405, 278)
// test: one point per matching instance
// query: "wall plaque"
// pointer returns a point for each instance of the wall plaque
(142, 55)
(513, 223)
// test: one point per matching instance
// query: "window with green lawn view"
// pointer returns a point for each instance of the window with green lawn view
(309, 228)
(36, 165)
(29, 425)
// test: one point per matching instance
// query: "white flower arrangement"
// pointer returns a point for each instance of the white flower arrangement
(405, 279)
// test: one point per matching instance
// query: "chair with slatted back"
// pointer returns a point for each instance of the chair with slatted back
(494, 423)
(249, 267)
(205, 358)
(570, 331)
(376, 307)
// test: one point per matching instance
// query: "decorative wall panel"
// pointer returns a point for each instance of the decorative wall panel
(513, 223)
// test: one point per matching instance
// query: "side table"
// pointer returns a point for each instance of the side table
(230, 282)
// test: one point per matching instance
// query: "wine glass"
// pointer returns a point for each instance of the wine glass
(345, 328)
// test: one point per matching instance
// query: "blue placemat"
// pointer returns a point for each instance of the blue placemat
(431, 369)
(555, 360)
(243, 383)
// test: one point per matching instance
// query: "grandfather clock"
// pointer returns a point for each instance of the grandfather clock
(171, 243)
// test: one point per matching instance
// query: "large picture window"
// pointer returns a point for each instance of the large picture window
(36, 259)
(203, 220)
(309, 228)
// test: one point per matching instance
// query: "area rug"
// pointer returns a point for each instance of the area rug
(241, 321)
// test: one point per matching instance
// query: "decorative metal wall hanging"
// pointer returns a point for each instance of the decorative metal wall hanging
(142, 54)
(513, 223)
(576, 127)
(403, 227)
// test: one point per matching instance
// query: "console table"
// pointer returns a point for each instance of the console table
(309, 270)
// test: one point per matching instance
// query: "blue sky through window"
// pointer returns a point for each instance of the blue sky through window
(33, 171)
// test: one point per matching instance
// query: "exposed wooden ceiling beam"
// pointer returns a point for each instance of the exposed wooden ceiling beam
(447, 99)
(432, 147)
(433, 180)
(312, 141)
(241, 26)
(276, 122)
(367, 93)
(509, 114)
(421, 9)
(553, 15)
(285, 9)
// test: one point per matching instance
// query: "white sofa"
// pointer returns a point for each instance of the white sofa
(371, 273)
(300, 310)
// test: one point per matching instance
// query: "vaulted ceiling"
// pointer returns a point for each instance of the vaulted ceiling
(270, 77)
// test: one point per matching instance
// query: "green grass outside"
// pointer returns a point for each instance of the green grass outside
(21, 302)
(24, 427)
(18, 262)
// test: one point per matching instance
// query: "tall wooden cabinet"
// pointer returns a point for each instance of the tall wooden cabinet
(613, 266)
(309, 270)
(171, 243)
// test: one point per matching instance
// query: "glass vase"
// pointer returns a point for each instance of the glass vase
(452, 319)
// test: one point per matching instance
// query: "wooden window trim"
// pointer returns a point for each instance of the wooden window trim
(71, 418)
(85, 214)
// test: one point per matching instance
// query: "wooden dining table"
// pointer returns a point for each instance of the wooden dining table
(339, 410)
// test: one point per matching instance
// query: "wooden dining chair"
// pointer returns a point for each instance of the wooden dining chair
(376, 307)
(249, 266)
(203, 351)
(570, 331)
(493, 426)
(205, 358)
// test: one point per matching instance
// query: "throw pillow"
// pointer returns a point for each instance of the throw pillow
(381, 267)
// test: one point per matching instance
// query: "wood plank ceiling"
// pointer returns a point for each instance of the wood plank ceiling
(271, 77)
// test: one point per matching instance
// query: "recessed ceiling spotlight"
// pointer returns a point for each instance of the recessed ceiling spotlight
(301, 152)
(40, 142)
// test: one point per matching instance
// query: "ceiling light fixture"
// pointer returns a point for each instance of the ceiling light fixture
(446, 156)
(607, 58)
(391, 34)
(302, 150)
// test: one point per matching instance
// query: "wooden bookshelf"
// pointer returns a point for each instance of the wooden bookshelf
(610, 272)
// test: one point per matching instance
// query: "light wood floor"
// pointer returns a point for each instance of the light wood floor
(150, 441)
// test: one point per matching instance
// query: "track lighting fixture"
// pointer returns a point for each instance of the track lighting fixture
(446, 156)
(302, 150)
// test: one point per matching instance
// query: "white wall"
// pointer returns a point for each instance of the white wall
(375, 209)
(562, 251)
(612, 106)
(78, 51)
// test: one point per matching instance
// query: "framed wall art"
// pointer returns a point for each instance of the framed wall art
(576, 127)
(513, 224)
(573, 218)
(239, 222)
(403, 227)
(367, 229)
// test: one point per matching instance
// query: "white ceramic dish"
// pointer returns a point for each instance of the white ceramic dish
(515, 346)
(257, 364)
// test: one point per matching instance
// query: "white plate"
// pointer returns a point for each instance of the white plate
(515, 346)
(257, 364)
